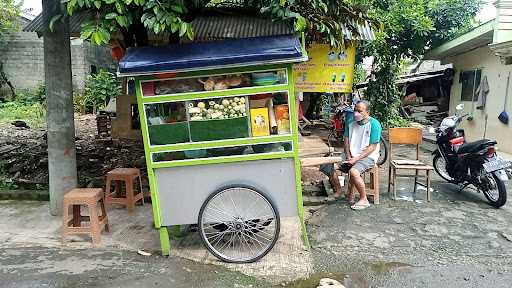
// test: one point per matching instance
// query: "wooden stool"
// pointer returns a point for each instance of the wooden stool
(372, 187)
(127, 175)
(73, 225)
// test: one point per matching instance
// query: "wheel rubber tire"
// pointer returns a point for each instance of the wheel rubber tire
(383, 145)
(502, 193)
(435, 164)
(276, 234)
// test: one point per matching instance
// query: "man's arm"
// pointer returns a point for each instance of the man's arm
(347, 149)
(366, 152)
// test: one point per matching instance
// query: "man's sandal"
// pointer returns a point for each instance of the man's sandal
(360, 206)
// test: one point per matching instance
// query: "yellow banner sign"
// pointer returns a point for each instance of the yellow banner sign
(327, 70)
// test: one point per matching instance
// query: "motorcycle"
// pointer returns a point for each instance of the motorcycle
(470, 163)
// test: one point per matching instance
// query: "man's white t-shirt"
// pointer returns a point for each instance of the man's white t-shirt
(361, 136)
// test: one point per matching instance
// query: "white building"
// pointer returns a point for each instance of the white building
(484, 52)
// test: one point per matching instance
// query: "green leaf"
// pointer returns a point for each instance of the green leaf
(110, 16)
(70, 8)
(96, 38)
(190, 32)
(53, 20)
(104, 34)
(86, 34)
(122, 20)
(119, 7)
(97, 4)
(177, 8)
(183, 28)
(149, 22)
(109, 1)
(144, 17)
(175, 26)
(300, 24)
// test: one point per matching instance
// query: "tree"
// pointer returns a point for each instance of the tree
(59, 91)
(99, 88)
(9, 13)
(322, 19)
(410, 28)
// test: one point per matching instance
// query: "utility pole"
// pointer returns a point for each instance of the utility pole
(59, 97)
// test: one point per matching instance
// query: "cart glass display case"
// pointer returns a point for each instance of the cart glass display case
(219, 118)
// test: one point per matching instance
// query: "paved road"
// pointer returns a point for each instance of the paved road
(457, 240)
(53, 267)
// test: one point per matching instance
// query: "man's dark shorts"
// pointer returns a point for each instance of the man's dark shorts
(362, 166)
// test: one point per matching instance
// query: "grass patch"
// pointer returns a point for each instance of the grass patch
(32, 113)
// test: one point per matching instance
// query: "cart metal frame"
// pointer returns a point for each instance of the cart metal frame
(149, 149)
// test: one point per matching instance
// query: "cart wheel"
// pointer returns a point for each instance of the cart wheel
(239, 224)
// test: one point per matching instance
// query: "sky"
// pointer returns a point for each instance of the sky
(488, 12)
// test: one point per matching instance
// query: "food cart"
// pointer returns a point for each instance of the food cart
(219, 126)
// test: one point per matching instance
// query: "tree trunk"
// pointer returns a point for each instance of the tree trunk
(60, 118)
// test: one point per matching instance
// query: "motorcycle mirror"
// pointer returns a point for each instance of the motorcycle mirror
(459, 107)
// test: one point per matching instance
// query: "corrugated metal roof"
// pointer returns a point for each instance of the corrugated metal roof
(216, 27)
(365, 32)
(224, 27)
(411, 78)
(205, 27)
(75, 22)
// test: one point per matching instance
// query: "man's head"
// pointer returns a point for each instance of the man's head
(361, 112)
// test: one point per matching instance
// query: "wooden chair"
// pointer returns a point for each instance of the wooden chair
(410, 136)
(372, 187)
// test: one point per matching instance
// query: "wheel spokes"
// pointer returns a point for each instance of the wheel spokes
(239, 224)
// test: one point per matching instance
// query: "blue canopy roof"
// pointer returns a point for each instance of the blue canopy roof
(211, 55)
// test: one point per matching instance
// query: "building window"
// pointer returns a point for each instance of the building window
(470, 80)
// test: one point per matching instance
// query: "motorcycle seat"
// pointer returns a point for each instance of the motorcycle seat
(472, 147)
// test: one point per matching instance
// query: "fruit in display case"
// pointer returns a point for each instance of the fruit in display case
(226, 108)
(225, 82)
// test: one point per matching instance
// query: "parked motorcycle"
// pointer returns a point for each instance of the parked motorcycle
(470, 163)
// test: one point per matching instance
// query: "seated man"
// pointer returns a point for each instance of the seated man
(362, 143)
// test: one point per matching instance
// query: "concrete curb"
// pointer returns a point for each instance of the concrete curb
(38, 195)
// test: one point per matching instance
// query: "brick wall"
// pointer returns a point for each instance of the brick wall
(23, 59)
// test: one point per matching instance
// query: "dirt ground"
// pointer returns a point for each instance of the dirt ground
(24, 160)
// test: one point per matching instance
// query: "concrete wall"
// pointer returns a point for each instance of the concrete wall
(497, 78)
(22, 55)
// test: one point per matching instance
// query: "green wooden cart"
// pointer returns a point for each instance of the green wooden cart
(219, 125)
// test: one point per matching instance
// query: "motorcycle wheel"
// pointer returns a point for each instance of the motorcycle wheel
(498, 196)
(440, 167)
(383, 152)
